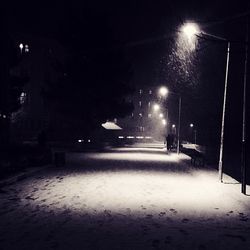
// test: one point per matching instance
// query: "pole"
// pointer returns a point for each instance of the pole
(179, 126)
(195, 136)
(167, 121)
(243, 143)
(223, 116)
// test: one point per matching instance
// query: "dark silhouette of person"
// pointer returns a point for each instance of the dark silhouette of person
(169, 142)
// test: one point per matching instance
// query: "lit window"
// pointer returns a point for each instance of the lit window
(140, 91)
(132, 115)
(141, 129)
(149, 104)
(140, 114)
(150, 92)
(149, 115)
(26, 48)
(140, 103)
(22, 98)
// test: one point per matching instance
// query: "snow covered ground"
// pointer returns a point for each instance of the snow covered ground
(130, 198)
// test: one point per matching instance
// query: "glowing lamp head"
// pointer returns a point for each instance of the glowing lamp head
(163, 91)
(164, 122)
(190, 30)
(173, 126)
(156, 107)
(191, 125)
(161, 115)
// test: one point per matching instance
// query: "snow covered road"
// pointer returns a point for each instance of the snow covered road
(125, 199)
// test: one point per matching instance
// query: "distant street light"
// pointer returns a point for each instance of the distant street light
(164, 90)
(156, 107)
(161, 115)
(191, 125)
(191, 32)
(21, 46)
(164, 122)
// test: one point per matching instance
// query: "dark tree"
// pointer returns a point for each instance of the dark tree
(93, 82)
(12, 83)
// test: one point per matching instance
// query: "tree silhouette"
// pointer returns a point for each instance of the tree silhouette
(93, 81)
(12, 84)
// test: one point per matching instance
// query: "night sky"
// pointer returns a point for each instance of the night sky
(138, 25)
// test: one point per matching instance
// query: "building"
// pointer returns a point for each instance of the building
(34, 116)
(149, 119)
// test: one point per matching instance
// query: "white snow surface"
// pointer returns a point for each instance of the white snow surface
(125, 199)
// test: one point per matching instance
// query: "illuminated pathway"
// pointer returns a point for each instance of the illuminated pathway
(128, 198)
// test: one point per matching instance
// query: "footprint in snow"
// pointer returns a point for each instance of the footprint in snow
(229, 213)
(185, 220)
(149, 216)
(162, 214)
(173, 210)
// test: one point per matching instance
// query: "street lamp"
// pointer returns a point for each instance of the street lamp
(191, 125)
(190, 31)
(163, 91)
(21, 46)
(156, 107)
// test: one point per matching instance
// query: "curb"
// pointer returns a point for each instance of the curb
(21, 176)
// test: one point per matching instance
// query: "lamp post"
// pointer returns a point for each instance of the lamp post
(223, 116)
(243, 140)
(191, 30)
(193, 132)
(163, 91)
(21, 46)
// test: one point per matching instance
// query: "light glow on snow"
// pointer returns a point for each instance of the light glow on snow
(122, 190)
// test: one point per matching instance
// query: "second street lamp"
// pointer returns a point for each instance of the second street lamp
(163, 91)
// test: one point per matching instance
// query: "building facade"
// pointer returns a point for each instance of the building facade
(149, 119)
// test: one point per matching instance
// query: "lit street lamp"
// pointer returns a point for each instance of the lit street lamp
(192, 30)
(21, 47)
(163, 91)
(156, 107)
(191, 125)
